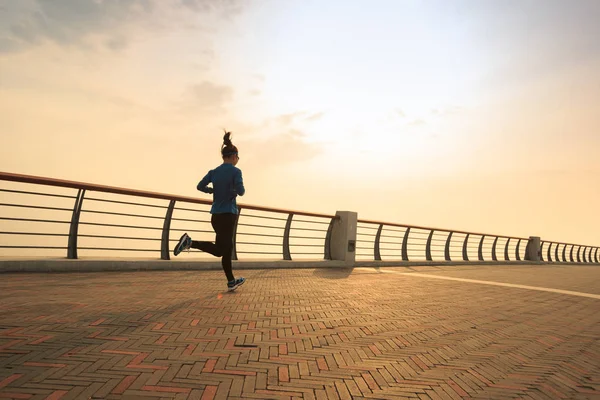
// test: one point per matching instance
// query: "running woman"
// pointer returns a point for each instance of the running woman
(227, 185)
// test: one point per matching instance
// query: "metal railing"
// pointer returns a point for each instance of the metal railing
(96, 218)
(129, 216)
(567, 252)
(411, 243)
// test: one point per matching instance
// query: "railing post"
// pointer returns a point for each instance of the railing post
(327, 245)
(596, 255)
(542, 251)
(571, 253)
(480, 250)
(578, 254)
(533, 250)
(549, 251)
(72, 245)
(428, 247)
(517, 252)
(584, 255)
(465, 253)
(506, 250)
(234, 256)
(405, 245)
(564, 253)
(494, 258)
(343, 237)
(447, 249)
(286, 238)
(376, 250)
(164, 242)
(556, 253)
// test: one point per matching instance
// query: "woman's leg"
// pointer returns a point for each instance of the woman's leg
(208, 247)
(223, 225)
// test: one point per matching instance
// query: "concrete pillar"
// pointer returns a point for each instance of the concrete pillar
(343, 237)
(533, 251)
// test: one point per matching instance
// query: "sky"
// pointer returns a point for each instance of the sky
(473, 115)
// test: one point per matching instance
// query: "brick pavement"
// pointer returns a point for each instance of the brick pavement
(300, 334)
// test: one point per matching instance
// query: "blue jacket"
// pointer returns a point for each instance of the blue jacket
(227, 185)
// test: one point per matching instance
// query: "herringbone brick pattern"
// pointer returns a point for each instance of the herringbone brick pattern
(293, 334)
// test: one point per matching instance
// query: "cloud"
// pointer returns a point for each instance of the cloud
(224, 7)
(254, 92)
(315, 116)
(400, 113)
(417, 122)
(70, 22)
(450, 110)
(206, 97)
(116, 43)
(526, 39)
(26, 23)
(287, 119)
(284, 148)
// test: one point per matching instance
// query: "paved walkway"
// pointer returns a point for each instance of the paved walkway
(386, 333)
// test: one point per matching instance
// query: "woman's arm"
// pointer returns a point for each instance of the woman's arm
(202, 185)
(239, 184)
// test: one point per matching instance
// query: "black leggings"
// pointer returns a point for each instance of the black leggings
(223, 226)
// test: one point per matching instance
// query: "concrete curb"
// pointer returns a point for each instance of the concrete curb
(100, 265)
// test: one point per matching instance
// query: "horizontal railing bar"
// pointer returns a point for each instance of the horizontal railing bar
(307, 254)
(257, 252)
(263, 217)
(306, 237)
(367, 227)
(393, 230)
(139, 193)
(279, 244)
(120, 214)
(391, 236)
(191, 230)
(365, 234)
(36, 207)
(260, 244)
(188, 220)
(258, 234)
(130, 203)
(119, 226)
(309, 230)
(37, 193)
(32, 247)
(34, 220)
(571, 244)
(122, 237)
(114, 249)
(311, 222)
(34, 233)
(435, 229)
(191, 209)
(261, 226)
